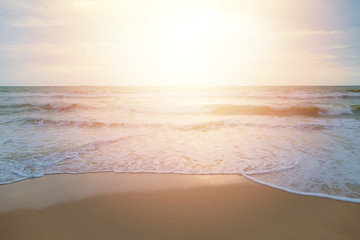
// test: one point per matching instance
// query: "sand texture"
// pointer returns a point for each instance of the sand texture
(217, 208)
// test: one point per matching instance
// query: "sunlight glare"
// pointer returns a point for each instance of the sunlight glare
(196, 46)
(182, 44)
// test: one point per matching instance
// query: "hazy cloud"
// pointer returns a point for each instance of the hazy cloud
(54, 39)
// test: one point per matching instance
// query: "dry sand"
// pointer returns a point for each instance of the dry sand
(167, 206)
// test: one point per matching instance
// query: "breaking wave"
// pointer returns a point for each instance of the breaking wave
(205, 126)
(44, 107)
(287, 110)
(73, 123)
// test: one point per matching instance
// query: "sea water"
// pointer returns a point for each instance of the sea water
(300, 139)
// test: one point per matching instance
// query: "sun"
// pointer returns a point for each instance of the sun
(183, 44)
(197, 46)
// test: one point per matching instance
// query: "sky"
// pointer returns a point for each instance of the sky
(164, 42)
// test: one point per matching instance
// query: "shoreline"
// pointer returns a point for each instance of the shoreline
(167, 206)
(243, 177)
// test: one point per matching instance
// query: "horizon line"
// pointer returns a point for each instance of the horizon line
(194, 86)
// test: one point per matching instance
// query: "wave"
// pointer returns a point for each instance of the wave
(45, 107)
(311, 194)
(17, 171)
(25, 105)
(220, 109)
(221, 124)
(240, 92)
(84, 124)
(206, 126)
(61, 108)
(73, 123)
(314, 110)
(255, 95)
(64, 95)
(303, 95)
(283, 110)
(353, 90)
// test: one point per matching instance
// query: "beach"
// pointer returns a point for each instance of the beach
(189, 120)
(167, 206)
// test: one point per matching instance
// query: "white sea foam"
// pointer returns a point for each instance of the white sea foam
(311, 194)
(269, 135)
(327, 110)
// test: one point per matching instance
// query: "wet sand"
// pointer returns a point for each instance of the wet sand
(167, 206)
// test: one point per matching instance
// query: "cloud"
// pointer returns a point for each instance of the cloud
(340, 47)
(35, 22)
(51, 39)
(311, 33)
(352, 56)
(294, 57)
(54, 64)
(37, 13)
(305, 33)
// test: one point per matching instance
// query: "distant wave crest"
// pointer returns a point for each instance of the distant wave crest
(205, 126)
(286, 110)
(44, 107)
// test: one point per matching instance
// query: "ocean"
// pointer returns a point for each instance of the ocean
(304, 140)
